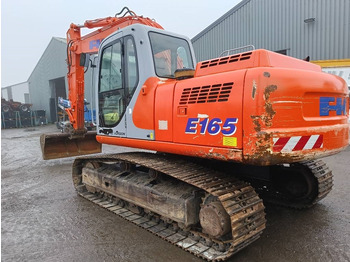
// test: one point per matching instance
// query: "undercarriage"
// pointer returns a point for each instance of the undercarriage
(212, 214)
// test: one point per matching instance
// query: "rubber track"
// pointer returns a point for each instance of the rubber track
(324, 178)
(239, 199)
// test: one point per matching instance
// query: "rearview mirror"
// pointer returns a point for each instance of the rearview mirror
(84, 59)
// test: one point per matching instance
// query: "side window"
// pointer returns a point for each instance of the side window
(111, 93)
(131, 66)
(116, 67)
(105, 69)
(118, 80)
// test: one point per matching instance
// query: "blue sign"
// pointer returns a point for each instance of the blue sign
(212, 127)
(339, 107)
(94, 44)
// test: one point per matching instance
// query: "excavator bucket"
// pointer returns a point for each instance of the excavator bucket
(58, 145)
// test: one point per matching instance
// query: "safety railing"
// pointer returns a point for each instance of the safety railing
(237, 50)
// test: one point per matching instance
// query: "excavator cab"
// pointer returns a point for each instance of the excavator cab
(130, 71)
(130, 63)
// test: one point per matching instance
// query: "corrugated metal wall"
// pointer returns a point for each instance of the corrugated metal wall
(51, 66)
(278, 25)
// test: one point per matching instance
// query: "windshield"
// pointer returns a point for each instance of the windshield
(169, 54)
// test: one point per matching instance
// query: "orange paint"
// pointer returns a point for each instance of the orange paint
(143, 112)
(270, 96)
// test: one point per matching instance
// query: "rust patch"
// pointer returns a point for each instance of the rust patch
(269, 112)
(230, 154)
(256, 122)
(262, 155)
(266, 118)
(263, 152)
(254, 89)
(215, 156)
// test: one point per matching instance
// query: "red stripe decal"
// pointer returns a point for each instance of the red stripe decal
(319, 142)
(280, 143)
(301, 143)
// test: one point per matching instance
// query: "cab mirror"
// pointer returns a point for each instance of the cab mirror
(84, 59)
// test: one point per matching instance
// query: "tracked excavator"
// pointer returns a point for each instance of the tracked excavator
(222, 134)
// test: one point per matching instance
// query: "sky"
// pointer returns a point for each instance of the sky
(28, 26)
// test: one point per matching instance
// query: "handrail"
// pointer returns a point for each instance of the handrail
(234, 49)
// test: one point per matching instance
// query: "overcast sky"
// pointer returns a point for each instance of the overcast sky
(28, 26)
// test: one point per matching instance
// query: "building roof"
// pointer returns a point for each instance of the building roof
(21, 83)
(222, 18)
(59, 39)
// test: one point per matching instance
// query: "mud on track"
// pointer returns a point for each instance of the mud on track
(43, 219)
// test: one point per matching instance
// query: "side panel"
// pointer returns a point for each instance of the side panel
(208, 110)
(143, 112)
(164, 112)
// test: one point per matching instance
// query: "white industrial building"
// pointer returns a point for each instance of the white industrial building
(18, 92)
(47, 82)
(298, 28)
(319, 29)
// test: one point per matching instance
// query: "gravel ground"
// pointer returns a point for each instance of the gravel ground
(43, 219)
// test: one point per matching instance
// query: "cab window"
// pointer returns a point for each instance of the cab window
(131, 66)
(169, 54)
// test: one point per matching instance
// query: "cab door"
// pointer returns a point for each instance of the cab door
(117, 83)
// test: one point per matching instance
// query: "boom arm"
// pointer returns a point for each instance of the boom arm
(77, 45)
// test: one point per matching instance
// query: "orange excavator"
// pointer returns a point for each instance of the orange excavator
(224, 134)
